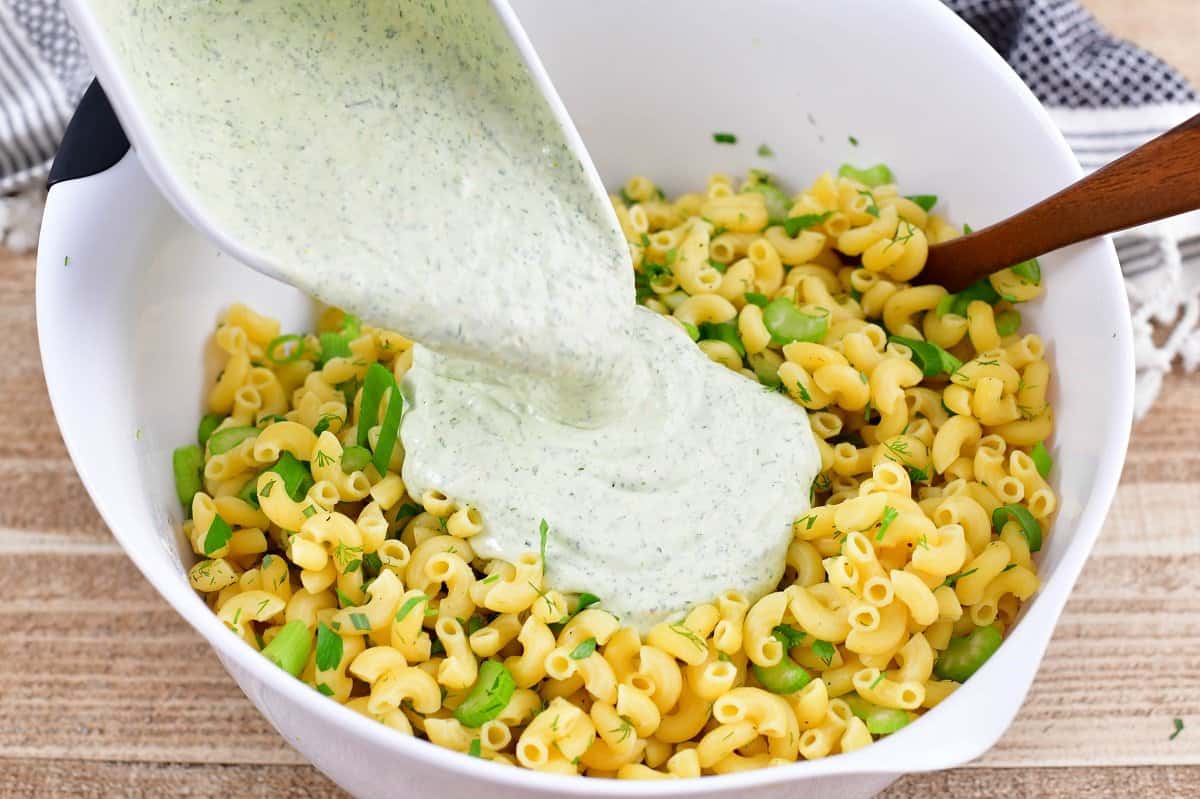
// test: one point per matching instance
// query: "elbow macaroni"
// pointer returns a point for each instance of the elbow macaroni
(897, 556)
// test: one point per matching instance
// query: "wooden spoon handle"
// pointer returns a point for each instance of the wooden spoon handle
(1159, 179)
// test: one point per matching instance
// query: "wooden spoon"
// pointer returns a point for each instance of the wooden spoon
(1159, 179)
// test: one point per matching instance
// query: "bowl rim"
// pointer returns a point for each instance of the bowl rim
(867, 761)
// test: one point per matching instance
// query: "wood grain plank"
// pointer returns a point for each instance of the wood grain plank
(1050, 783)
(20, 779)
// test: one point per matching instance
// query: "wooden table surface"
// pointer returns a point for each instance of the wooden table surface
(104, 691)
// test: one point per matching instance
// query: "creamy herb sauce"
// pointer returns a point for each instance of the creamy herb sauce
(397, 159)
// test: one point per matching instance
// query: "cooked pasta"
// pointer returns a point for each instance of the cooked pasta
(930, 415)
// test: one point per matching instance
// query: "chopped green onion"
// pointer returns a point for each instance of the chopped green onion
(372, 564)
(824, 650)
(208, 424)
(965, 654)
(488, 696)
(724, 138)
(409, 604)
(324, 690)
(334, 345)
(543, 536)
(218, 535)
(296, 477)
(1030, 270)
(475, 749)
(1041, 458)
(787, 323)
(1008, 322)
(355, 458)
(360, 620)
(926, 201)
(282, 341)
(776, 201)
(853, 140)
(329, 648)
(794, 224)
(723, 331)
(785, 677)
(1021, 515)
(692, 331)
(932, 359)
(764, 151)
(228, 438)
(188, 465)
(879, 720)
(754, 298)
(872, 176)
(1177, 724)
(586, 600)
(378, 379)
(290, 647)
(584, 650)
(389, 428)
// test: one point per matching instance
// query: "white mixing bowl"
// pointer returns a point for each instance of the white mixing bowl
(125, 325)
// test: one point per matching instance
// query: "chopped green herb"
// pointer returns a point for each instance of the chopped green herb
(824, 650)
(329, 648)
(1178, 724)
(586, 600)
(1021, 515)
(360, 620)
(1041, 458)
(724, 138)
(876, 681)
(543, 535)
(324, 689)
(296, 477)
(682, 630)
(788, 635)
(218, 535)
(346, 601)
(794, 224)
(956, 304)
(491, 578)
(926, 201)
(715, 264)
(932, 359)
(853, 141)
(584, 650)
(692, 331)
(889, 516)
(764, 151)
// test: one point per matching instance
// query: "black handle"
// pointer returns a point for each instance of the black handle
(93, 141)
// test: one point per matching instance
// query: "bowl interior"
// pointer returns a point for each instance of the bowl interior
(647, 85)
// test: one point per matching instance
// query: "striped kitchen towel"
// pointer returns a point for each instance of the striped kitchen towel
(1106, 95)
